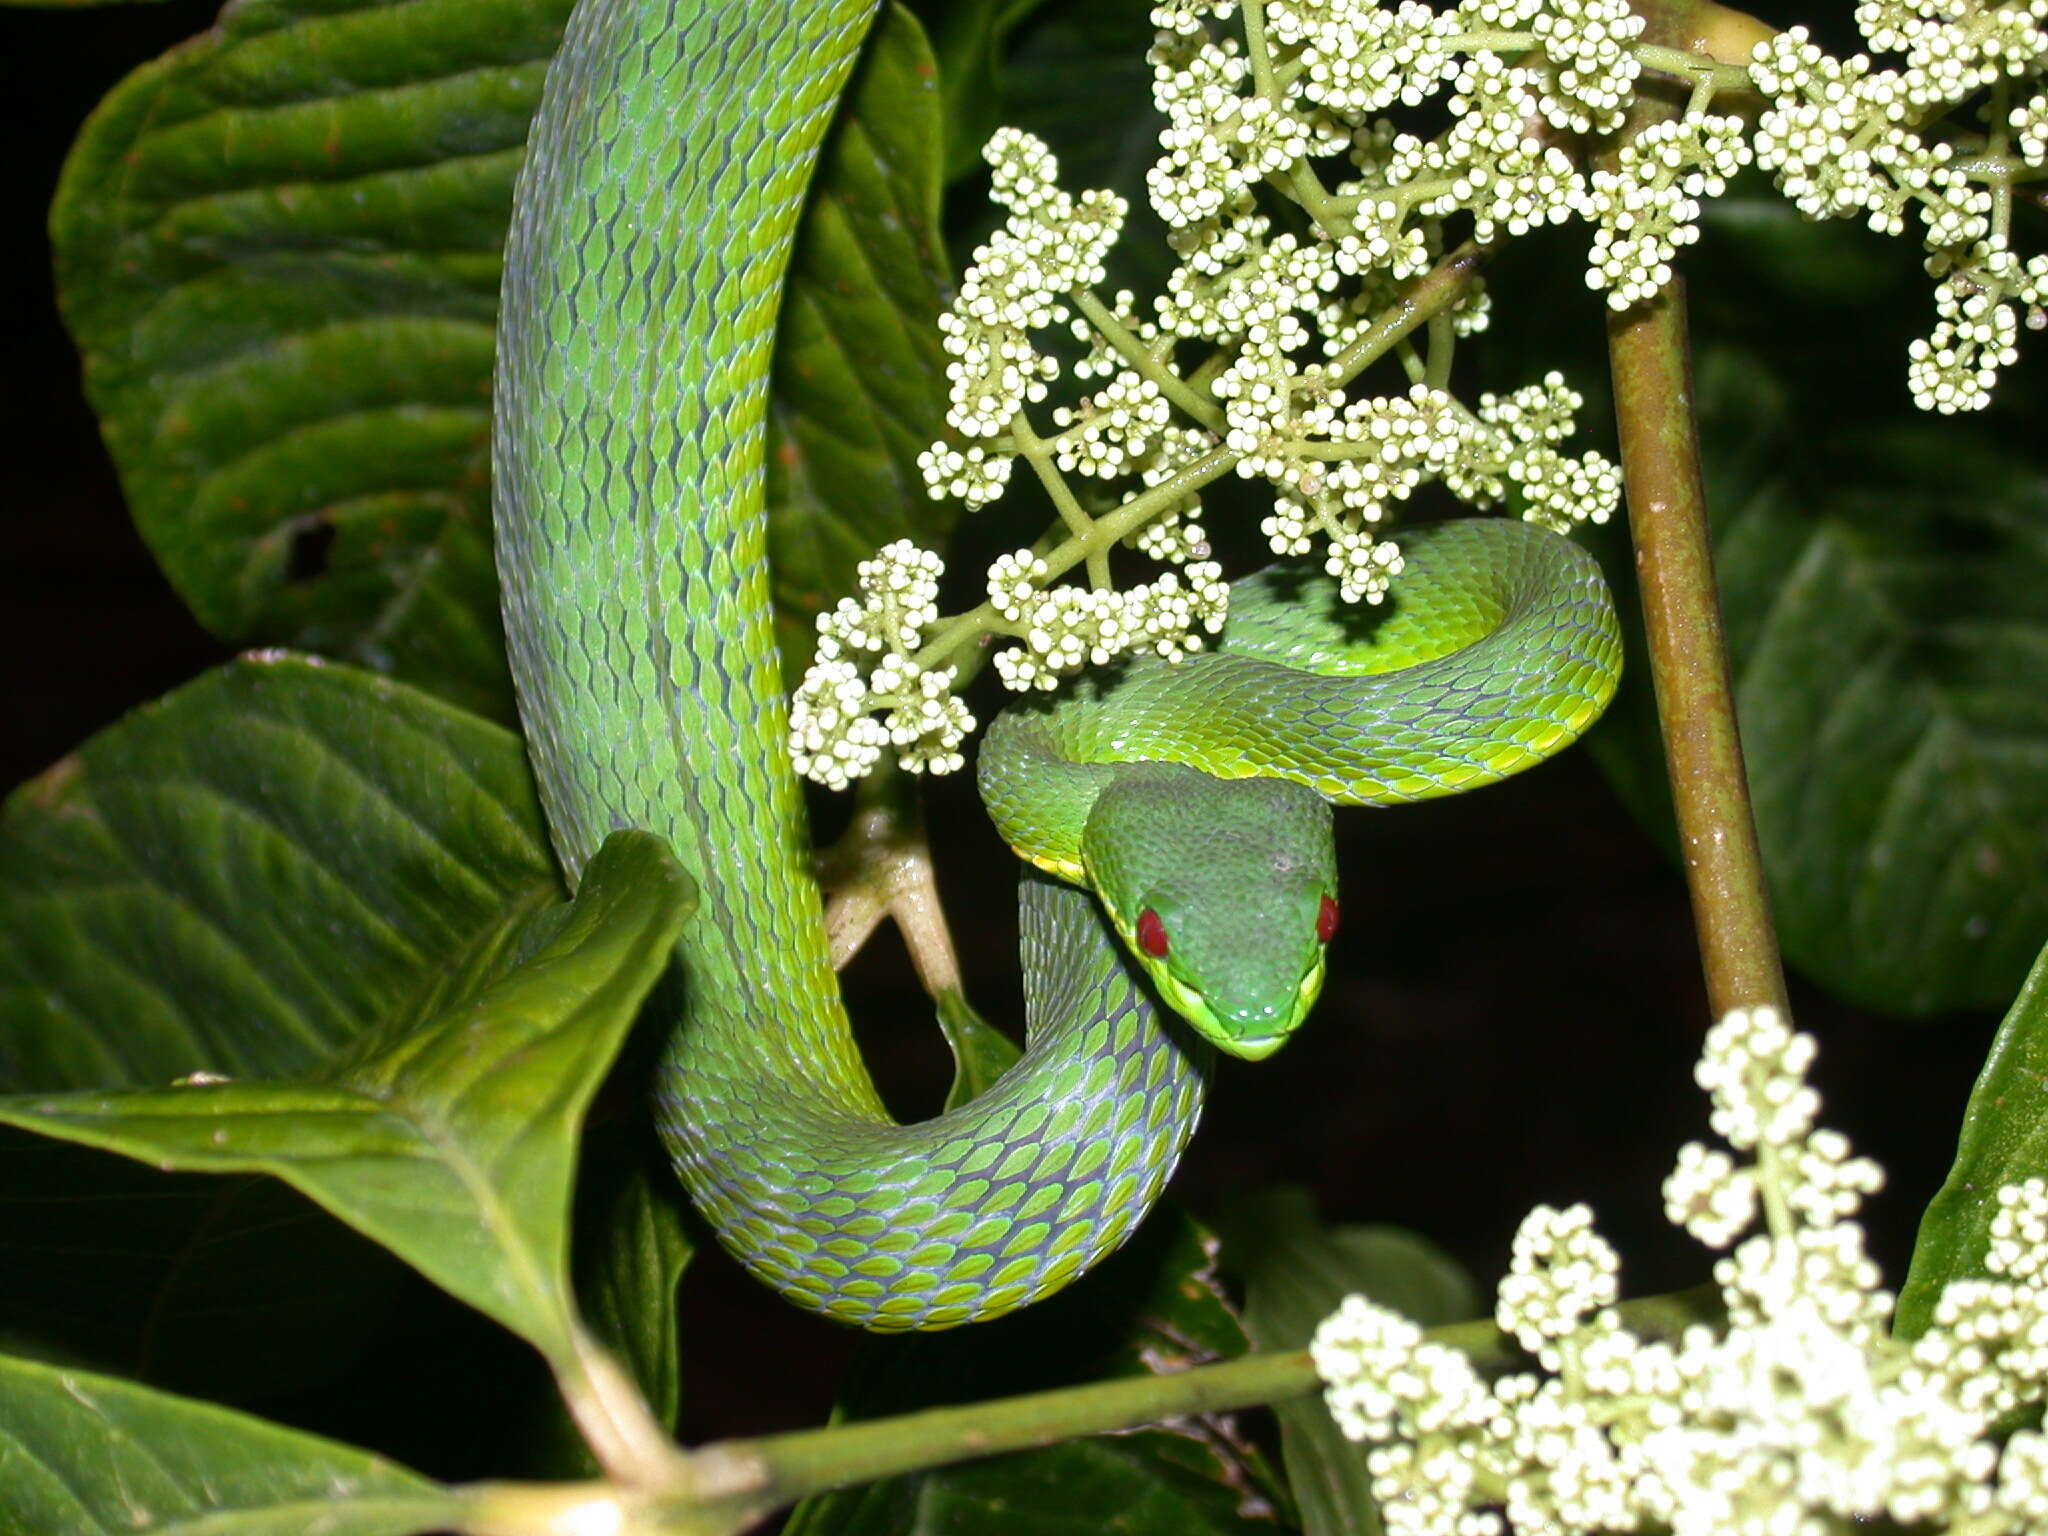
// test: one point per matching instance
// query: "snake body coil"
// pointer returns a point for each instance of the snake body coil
(652, 227)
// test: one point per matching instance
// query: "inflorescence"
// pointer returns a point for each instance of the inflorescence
(1802, 1413)
(1309, 201)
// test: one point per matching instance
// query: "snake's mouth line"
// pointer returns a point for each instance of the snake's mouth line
(1195, 1008)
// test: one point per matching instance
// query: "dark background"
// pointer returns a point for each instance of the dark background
(1512, 1015)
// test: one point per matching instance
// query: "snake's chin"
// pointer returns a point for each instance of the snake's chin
(1193, 1007)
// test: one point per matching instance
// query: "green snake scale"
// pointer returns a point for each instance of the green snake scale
(652, 227)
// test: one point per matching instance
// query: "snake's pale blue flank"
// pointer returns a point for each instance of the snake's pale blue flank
(653, 224)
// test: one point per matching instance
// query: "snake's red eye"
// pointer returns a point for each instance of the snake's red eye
(1151, 934)
(1326, 920)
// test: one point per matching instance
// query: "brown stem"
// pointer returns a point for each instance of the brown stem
(882, 868)
(1667, 507)
(1650, 355)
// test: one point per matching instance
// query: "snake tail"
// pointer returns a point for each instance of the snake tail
(653, 223)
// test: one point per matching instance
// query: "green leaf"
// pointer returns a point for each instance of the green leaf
(247, 875)
(241, 879)
(1882, 594)
(630, 1248)
(981, 1052)
(969, 40)
(1154, 1306)
(2004, 1141)
(450, 1140)
(85, 1455)
(627, 1272)
(1297, 1272)
(859, 382)
(279, 248)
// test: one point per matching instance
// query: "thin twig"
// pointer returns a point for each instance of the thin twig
(881, 867)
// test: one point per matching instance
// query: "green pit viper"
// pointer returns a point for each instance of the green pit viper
(653, 222)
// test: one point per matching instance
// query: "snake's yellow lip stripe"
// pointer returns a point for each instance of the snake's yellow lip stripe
(1259, 1049)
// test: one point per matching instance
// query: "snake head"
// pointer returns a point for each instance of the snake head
(1225, 893)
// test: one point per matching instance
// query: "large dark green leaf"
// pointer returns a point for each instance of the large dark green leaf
(2004, 1141)
(241, 879)
(246, 876)
(1154, 1306)
(859, 387)
(85, 1455)
(449, 1138)
(278, 247)
(1882, 588)
(279, 250)
(626, 1278)
(1296, 1273)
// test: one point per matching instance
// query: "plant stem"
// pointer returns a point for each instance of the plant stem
(813, 1461)
(1694, 68)
(1650, 356)
(612, 1416)
(881, 867)
(1667, 508)
(1133, 351)
(728, 1485)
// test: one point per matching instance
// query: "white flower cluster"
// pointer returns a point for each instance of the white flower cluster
(1554, 490)
(1976, 328)
(1649, 206)
(1561, 1272)
(1802, 1414)
(1835, 138)
(1223, 135)
(1955, 48)
(1333, 65)
(1595, 78)
(2029, 125)
(863, 669)
(1050, 245)
(1113, 430)
(1285, 315)
(1845, 139)
(1067, 628)
(1372, 451)
(1338, 464)
(1493, 161)
(1174, 538)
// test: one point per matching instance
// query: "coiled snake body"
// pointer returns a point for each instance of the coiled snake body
(652, 227)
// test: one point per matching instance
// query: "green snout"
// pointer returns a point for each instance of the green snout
(1250, 1033)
